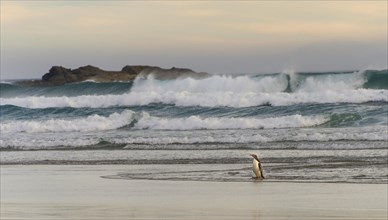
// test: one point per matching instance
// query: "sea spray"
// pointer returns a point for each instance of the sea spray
(195, 122)
(320, 125)
(130, 120)
(219, 90)
(90, 123)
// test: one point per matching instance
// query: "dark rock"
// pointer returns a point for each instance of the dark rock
(56, 75)
(59, 75)
(134, 69)
(173, 73)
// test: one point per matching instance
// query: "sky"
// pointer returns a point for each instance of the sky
(209, 36)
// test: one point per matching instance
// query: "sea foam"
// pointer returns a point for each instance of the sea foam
(187, 98)
(143, 120)
(90, 123)
(195, 122)
(223, 90)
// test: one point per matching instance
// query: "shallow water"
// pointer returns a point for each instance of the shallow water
(334, 161)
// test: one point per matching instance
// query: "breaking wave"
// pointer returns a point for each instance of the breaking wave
(131, 120)
(90, 123)
(219, 90)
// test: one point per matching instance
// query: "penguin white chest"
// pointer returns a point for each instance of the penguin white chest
(256, 169)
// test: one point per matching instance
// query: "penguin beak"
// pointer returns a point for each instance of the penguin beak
(253, 155)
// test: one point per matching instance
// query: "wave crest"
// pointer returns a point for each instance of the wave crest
(90, 123)
(224, 90)
(196, 123)
(139, 121)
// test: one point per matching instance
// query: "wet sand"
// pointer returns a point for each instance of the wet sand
(79, 192)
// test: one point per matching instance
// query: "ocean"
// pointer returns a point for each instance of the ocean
(305, 127)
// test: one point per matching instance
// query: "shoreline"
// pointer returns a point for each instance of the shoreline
(79, 192)
(131, 174)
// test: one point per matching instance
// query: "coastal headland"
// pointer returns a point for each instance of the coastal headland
(59, 75)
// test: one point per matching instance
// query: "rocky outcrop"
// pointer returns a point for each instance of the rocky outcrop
(59, 75)
(164, 74)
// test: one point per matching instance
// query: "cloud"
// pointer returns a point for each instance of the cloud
(199, 33)
(12, 12)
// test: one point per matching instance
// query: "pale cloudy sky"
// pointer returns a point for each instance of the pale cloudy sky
(214, 36)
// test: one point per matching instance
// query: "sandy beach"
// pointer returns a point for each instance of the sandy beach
(143, 110)
(79, 192)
